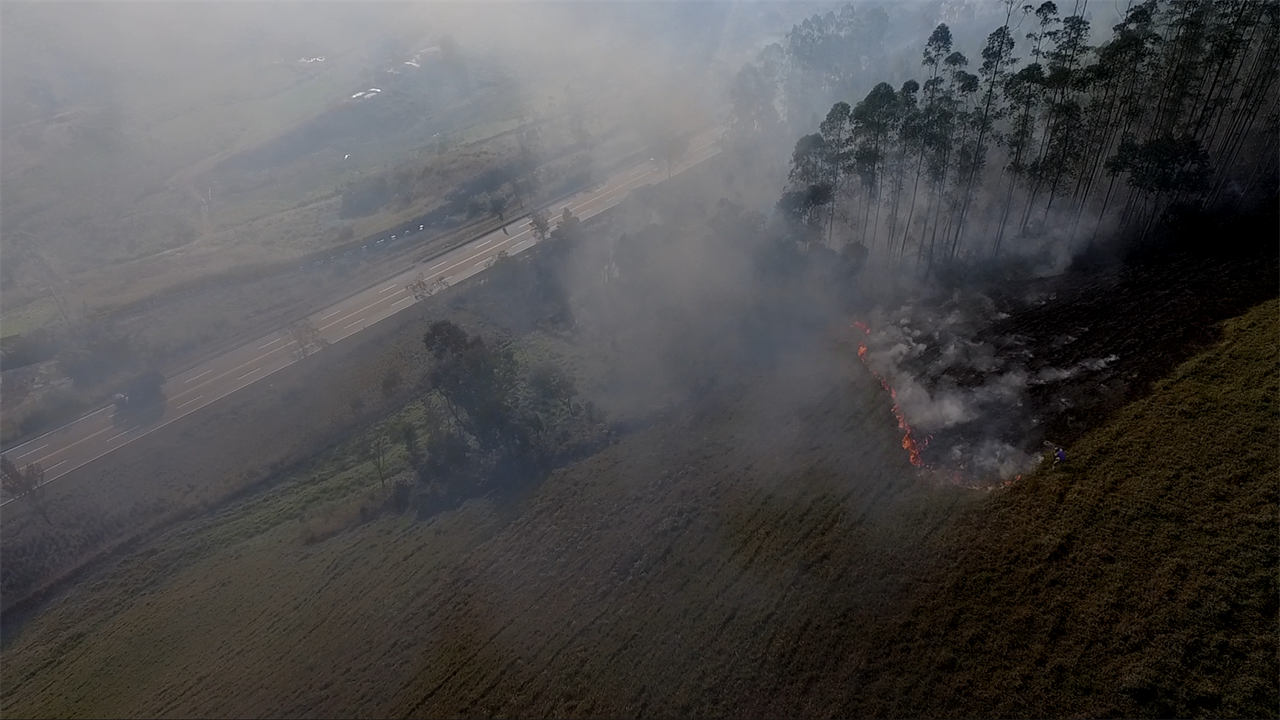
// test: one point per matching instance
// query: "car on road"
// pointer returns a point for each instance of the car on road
(393, 237)
(420, 227)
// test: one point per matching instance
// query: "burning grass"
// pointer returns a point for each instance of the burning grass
(1136, 579)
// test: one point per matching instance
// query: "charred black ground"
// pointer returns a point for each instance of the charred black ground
(1125, 314)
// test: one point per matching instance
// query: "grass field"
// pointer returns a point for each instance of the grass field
(766, 552)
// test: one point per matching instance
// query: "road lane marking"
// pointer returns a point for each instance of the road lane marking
(268, 354)
(353, 322)
(117, 437)
(366, 307)
(408, 299)
(273, 342)
(335, 312)
(179, 407)
(68, 447)
(433, 267)
(53, 466)
(247, 374)
(19, 457)
(206, 372)
(486, 242)
(388, 288)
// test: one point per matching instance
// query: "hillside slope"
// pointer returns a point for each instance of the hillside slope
(1137, 579)
(717, 561)
(766, 551)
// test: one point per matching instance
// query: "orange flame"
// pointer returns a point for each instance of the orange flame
(909, 443)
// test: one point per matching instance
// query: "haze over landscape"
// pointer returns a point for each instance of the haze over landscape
(639, 359)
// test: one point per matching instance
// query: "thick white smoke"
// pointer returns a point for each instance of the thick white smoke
(963, 393)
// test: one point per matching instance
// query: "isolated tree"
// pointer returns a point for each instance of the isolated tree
(498, 205)
(541, 224)
(26, 483)
(377, 451)
(569, 227)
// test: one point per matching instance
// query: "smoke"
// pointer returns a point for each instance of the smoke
(963, 391)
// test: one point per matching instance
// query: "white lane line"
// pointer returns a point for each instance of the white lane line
(19, 457)
(68, 447)
(366, 307)
(335, 312)
(247, 374)
(402, 300)
(117, 437)
(486, 242)
(62, 430)
(433, 267)
(388, 288)
(188, 402)
(353, 322)
(273, 342)
(206, 372)
(54, 466)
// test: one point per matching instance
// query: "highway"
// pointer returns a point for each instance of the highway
(93, 436)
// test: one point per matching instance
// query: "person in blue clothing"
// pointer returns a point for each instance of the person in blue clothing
(1059, 455)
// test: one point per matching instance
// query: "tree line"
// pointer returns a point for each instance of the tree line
(1043, 135)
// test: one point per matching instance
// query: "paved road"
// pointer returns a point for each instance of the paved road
(98, 433)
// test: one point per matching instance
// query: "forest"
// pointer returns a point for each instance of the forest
(1040, 143)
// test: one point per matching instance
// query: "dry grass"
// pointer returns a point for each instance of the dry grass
(767, 553)
(686, 511)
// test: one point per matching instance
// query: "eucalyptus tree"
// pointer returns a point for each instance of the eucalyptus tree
(921, 130)
(837, 134)
(946, 131)
(873, 120)
(997, 56)
(1060, 156)
(1122, 67)
(906, 141)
